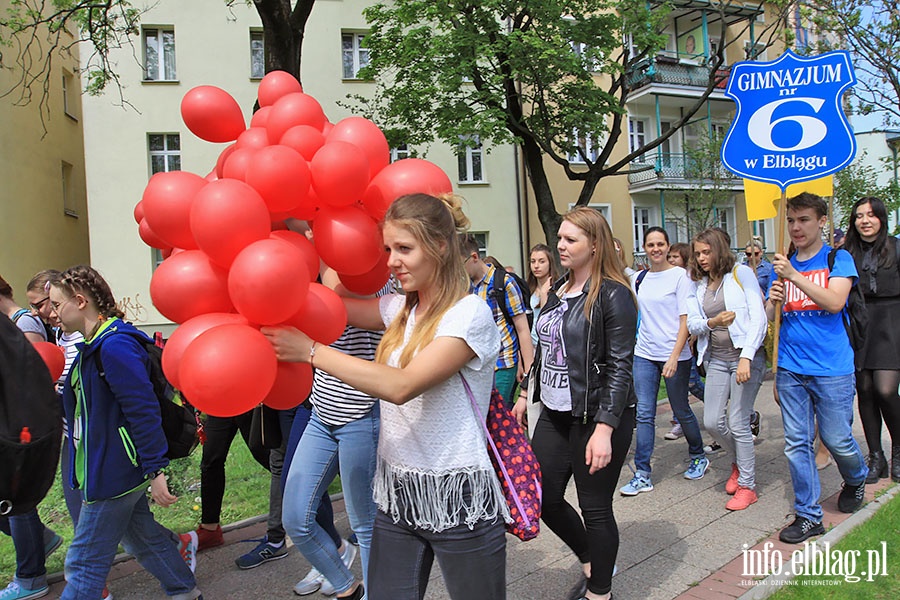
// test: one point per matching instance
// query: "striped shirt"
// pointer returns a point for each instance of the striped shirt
(335, 402)
(509, 348)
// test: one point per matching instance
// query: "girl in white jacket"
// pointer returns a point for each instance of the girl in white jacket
(726, 314)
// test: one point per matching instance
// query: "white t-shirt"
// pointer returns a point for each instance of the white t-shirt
(432, 449)
(662, 299)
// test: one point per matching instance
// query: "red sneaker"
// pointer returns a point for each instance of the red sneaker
(209, 538)
(743, 498)
(731, 486)
(107, 595)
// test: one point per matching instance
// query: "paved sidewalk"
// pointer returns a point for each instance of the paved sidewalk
(677, 541)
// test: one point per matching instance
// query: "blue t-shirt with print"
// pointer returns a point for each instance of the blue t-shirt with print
(813, 340)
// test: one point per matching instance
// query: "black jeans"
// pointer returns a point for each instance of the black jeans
(220, 432)
(559, 443)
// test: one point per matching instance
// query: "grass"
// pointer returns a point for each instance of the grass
(883, 526)
(246, 495)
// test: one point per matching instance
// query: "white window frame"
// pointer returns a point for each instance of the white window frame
(158, 34)
(257, 47)
(635, 123)
(399, 152)
(642, 220)
(68, 84)
(589, 143)
(481, 237)
(749, 48)
(165, 153)
(466, 161)
(725, 219)
(357, 53)
(67, 185)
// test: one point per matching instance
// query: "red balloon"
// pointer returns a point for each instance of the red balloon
(368, 283)
(281, 177)
(253, 138)
(327, 128)
(138, 212)
(305, 246)
(407, 176)
(227, 216)
(167, 203)
(275, 85)
(293, 383)
(150, 238)
(187, 284)
(260, 117)
(187, 333)
(54, 357)
(292, 110)
(366, 135)
(323, 316)
(223, 156)
(304, 139)
(347, 239)
(340, 173)
(268, 281)
(307, 209)
(235, 166)
(212, 176)
(212, 114)
(228, 370)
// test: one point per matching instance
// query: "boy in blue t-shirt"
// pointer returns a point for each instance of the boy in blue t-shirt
(815, 379)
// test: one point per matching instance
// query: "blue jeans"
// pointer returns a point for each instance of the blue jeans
(321, 451)
(646, 375)
(127, 519)
(805, 400)
(472, 561)
(27, 533)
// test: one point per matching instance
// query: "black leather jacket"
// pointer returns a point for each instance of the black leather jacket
(599, 353)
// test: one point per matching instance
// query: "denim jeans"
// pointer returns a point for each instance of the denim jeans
(727, 408)
(321, 451)
(71, 495)
(472, 561)
(559, 443)
(27, 533)
(127, 519)
(806, 400)
(646, 385)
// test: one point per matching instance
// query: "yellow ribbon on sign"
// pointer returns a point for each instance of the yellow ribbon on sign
(761, 197)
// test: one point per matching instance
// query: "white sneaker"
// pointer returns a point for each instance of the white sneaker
(315, 581)
(675, 432)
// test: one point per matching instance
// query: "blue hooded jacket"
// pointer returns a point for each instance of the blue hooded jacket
(121, 431)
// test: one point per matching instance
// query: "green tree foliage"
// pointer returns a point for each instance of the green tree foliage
(548, 75)
(856, 181)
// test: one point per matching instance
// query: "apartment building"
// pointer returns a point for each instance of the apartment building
(43, 208)
(203, 42)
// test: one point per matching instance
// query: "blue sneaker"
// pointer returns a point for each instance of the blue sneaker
(639, 483)
(264, 552)
(51, 542)
(14, 591)
(697, 469)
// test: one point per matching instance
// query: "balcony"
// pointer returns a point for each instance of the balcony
(675, 170)
(670, 70)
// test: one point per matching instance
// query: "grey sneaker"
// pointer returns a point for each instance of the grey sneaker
(697, 469)
(639, 483)
(675, 432)
(309, 584)
(347, 556)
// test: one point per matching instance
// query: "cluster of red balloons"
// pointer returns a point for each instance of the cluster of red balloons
(231, 265)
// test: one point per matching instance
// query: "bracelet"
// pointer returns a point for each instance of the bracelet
(312, 353)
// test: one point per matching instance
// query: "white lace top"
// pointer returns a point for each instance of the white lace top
(433, 467)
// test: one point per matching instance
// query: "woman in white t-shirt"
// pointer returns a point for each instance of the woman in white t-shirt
(436, 492)
(661, 350)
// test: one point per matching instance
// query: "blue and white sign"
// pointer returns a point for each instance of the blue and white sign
(790, 126)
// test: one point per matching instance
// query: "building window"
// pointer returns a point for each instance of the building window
(481, 238)
(400, 152)
(257, 55)
(641, 224)
(725, 221)
(165, 152)
(636, 134)
(588, 146)
(68, 191)
(469, 156)
(354, 54)
(755, 51)
(159, 55)
(68, 91)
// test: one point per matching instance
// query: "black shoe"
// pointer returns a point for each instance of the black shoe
(878, 466)
(800, 530)
(851, 497)
(895, 463)
(578, 590)
(754, 423)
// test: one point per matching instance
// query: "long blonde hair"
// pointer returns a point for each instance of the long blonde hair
(605, 263)
(434, 223)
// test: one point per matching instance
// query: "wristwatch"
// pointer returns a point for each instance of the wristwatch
(153, 475)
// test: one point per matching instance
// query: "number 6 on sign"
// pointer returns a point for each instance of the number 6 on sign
(762, 126)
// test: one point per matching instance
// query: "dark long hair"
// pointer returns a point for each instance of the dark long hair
(554, 272)
(854, 242)
(722, 260)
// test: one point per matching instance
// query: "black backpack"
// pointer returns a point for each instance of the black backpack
(30, 423)
(856, 317)
(498, 293)
(180, 421)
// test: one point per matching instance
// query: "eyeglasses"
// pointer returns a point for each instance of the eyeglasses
(57, 305)
(39, 304)
(749, 254)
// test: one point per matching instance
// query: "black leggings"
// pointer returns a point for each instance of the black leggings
(878, 399)
(559, 443)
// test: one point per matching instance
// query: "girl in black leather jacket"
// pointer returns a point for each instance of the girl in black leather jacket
(582, 375)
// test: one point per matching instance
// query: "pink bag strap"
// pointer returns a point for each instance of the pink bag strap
(487, 434)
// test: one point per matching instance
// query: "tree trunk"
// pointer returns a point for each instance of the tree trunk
(543, 195)
(284, 28)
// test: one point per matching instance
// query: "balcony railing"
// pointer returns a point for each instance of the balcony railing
(666, 69)
(673, 168)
